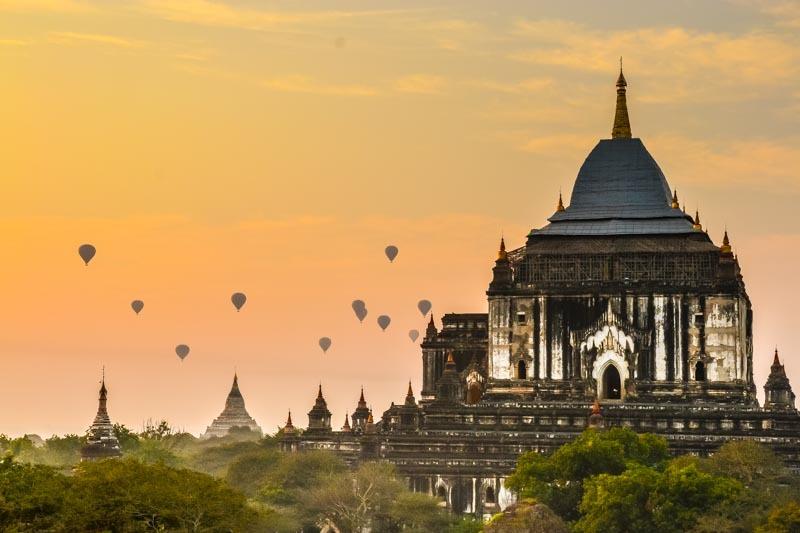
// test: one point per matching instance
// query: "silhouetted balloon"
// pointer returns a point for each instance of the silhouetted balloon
(137, 306)
(424, 306)
(182, 350)
(391, 252)
(238, 299)
(86, 251)
(413, 335)
(360, 309)
(324, 343)
(384, 321)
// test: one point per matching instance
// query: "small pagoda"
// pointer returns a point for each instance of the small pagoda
(233, 416)
(101, 442)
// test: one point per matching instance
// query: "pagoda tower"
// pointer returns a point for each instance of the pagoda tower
(101, 443)
(233, 416)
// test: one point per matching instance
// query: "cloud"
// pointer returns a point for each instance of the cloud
(14, 42)
(677, 63)
(766, 164)
(209, 13)
(420, 84)
(307, 85)
(94, 38)
(58, 6)
(530, 85)
(553, 145)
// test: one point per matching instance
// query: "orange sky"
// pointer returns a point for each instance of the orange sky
(207, 147)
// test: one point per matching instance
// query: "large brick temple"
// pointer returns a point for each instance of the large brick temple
(621, 306)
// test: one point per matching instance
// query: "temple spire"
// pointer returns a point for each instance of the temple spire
(675, 203)
(726, 245)
(502, 254)
(622, 124)
(560, 206)
(697, 225)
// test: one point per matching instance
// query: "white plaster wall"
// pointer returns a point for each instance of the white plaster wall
(499, 348)
(659, 310)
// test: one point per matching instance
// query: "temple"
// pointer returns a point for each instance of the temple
(101, 442)
(234, 416)
(619, 311)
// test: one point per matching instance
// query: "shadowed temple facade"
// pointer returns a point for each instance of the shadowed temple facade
(620, 311)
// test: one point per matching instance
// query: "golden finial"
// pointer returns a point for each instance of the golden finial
(697, 224)
(726, 245)
(675, 204)
(502, 254)
(410, 392)
(560, 202)
(622, 124)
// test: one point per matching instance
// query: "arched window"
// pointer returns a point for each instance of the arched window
(700, 371)
(522, 370)
(612, 385)
(490, 498)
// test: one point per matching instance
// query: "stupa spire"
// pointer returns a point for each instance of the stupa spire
(501, 254)
(101, 442)
(622, 124)
(234, 415)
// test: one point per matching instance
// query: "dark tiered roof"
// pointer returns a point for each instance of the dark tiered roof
(620, 190)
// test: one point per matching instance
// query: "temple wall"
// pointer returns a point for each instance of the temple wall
(499, 331)
(522, 334)
(659, 343)
(721, 330)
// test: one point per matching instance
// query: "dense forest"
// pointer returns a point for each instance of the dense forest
(606, 481)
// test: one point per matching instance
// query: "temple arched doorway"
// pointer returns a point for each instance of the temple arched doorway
(522, 370)
(700, 371)
(612, 384)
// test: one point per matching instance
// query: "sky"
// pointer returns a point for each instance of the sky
(275, 148)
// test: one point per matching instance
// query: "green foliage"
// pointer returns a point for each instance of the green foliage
(31, 496)
(114, 494)
(782, 519)
(128, 440)
(249, 471)
(527, 516)
(645, 499)
(297, 473)
(557, 480)
(216, 455)
(372, 497)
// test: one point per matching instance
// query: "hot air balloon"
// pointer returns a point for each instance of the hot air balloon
(413, 335)
(424, 306)
(324, 343)
(182, 350)
(360, 309)
(86, 251)
(137, 306)
(384, 321)
(238, 299)
(391, 252)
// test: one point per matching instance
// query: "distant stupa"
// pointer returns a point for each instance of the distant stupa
(233, 416)
(101, 443)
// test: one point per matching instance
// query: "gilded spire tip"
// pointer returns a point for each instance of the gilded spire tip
(622, 124)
